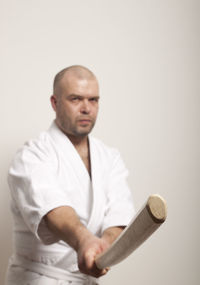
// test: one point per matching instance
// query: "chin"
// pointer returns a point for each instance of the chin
(82, 133)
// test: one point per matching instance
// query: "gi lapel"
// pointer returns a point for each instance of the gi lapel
(97, 211)
(94, 184)
(68, 149)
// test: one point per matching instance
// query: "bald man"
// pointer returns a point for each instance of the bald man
(70, 198)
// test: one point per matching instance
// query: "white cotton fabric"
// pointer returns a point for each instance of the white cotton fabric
(22, 271)
(47, 173)
(21, 276)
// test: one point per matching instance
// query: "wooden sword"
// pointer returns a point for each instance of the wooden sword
(141, 227)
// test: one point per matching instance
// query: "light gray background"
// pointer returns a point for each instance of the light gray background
(146, 56)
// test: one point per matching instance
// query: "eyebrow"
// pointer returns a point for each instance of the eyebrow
(79, 96)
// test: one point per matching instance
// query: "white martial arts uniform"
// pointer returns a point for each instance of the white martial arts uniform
(47, 173)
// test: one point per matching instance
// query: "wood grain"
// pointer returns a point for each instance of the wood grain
(141, 227)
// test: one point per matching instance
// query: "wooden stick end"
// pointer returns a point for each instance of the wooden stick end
(157, 208)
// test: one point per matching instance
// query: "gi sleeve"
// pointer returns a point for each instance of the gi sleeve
(34, 189)
(119, 208)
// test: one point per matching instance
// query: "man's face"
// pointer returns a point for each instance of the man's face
(76, 106)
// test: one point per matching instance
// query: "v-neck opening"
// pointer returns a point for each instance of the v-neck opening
(89, 173)
(80, 158)
(64, 140)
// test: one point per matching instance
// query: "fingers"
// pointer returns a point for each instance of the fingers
(88, 266)
(94, 271)
(87, 252)
(105, 270)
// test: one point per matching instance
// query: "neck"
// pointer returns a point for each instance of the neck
(81, 143)
(78, 141)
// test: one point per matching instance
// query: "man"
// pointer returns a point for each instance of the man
(69, 194)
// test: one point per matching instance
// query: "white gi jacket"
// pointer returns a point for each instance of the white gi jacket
(47, 173)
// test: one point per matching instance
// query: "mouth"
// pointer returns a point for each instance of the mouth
(84, 121)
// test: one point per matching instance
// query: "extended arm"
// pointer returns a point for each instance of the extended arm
(65, 224)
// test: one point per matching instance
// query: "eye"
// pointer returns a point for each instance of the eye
(75, 99)
(94, 99)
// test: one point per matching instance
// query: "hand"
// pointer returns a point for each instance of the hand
(65, 224)
(89, 247)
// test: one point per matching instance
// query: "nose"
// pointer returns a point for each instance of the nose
(85, 107)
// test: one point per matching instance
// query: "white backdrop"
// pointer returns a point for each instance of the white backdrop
(146, 56)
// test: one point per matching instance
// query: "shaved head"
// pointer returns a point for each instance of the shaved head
(76, 71)
(75, 100)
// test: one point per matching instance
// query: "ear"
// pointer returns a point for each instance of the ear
(53, 100)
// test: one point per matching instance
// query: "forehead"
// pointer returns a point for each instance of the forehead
(80, 86)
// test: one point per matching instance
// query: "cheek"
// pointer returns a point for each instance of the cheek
(69, 112)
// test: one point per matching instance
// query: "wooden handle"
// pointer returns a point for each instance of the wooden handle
(147, 220)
